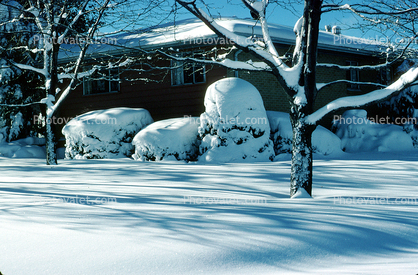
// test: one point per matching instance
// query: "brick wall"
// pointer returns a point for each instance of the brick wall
(276, 99)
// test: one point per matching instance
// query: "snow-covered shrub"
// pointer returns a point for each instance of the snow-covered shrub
(281, 131)
(402, 109)
(104, 133)
(323, 141)
(234, 126)
(29, 147)
(359, 134)
(168, 139)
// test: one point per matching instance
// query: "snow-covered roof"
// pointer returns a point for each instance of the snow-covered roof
(193, 32)
(9, 9)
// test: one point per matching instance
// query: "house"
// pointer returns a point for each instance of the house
(180, 91)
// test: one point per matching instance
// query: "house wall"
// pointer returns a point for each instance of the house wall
(161, 99)
(164, 101)
(275, 98)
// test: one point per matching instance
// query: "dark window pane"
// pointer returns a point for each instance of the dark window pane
(188, 74)
(199, 75)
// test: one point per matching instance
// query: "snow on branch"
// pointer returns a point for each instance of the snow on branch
(80, 13)
(21, 105)
(259, 9)
(360, 67)
(369, 9)
(359, 101)
(80, 59)
(266, 54)
(230, 64)
(320, 86)
(28, 67)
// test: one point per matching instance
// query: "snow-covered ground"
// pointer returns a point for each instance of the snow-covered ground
(126, 217)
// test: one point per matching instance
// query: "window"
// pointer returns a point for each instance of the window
(102, 82)
(184, 73)
(353, 75)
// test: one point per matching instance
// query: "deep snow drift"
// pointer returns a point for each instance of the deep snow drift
(324, 142)
(29, 147)
(104, 133)
(234, 126)
(175, 137)
(359, 134)
(127, 217)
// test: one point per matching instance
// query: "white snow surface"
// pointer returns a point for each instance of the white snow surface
(359, 134)
(104, 133)
(234, 126)
(324, 142)
(121, 216)
(167, 139)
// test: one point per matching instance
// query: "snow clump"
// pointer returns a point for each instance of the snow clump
(104, 133)
(30, 147)
(359, 134)
(234, 126)
(324, 142)
(171, 139)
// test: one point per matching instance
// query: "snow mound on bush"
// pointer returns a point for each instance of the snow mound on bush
(175, 138)
(29, 147)
(281, 131)
(234, 126)
(104, 133)
(359, 134)
(323, 141)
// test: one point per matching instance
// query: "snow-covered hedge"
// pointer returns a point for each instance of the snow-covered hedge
(323, 141)
(281, 131)
(29, 147)
(104, 133)
(175, 138)
(234, 126)
(359, 134)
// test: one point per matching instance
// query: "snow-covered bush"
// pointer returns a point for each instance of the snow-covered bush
(323, 141)
(360, 134)
(234, 126)
(168, 139)
(104, 133)
(402, 109)
(29, 147)
(281, 131)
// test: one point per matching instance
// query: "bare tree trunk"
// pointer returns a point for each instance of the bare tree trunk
(51, 156)
(301, 169)
(51, 63)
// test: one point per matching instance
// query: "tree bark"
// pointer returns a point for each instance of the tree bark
(301, 169)
(50, 143)
(51, 64)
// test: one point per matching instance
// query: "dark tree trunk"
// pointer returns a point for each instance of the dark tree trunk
(51, 62)
(301, 170)
(302, 105)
